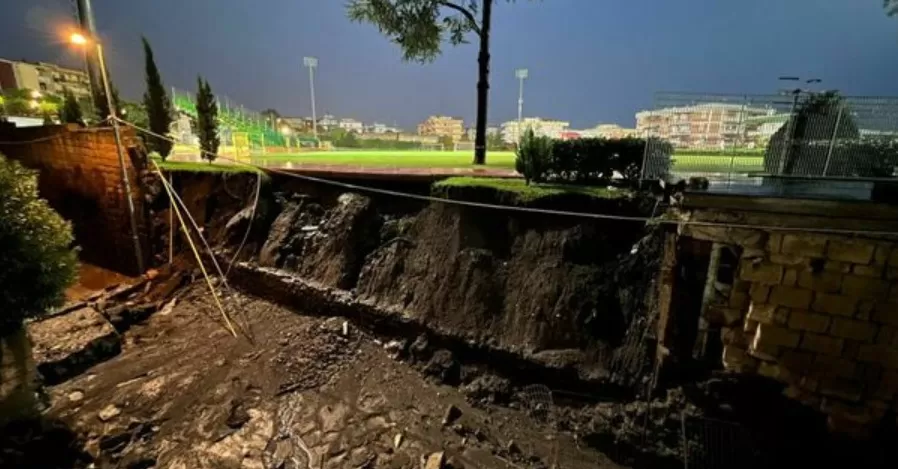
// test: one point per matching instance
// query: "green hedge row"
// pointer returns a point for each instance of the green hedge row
(733, 152)
(588, 160)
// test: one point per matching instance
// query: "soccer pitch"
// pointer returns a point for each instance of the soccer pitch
(494, 159)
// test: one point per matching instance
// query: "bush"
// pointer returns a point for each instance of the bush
(595, 160)
(37, 261)
(534, 157)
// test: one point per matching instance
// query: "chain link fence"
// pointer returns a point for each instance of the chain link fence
(796, 134)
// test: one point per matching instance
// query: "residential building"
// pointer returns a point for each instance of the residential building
(491, 130)
(328, 122)
(44, 77)
(511, 133)
(613, 131)
(442, 126)
(708, 125)
(378, 128)
(351, 125)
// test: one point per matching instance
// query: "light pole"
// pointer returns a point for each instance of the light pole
(81, 40)
(312, 63)
(521, 74)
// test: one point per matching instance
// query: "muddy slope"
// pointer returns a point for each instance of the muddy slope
(564, 291)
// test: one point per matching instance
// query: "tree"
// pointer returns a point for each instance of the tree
(816, 122)
(71, 110)
(891, 7)
(272, 116)
(37, 264)
(101, 104)
(419, 27)
(207, 120)
(158, 105)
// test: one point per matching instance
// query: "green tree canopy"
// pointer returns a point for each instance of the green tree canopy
(891, 7)
(37, 261)
(71, 110)
(158, 105)
(207, 120)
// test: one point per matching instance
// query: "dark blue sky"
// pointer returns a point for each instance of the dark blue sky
(590, 61)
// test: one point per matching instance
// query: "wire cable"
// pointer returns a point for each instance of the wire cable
(249, 227)
(513, 208)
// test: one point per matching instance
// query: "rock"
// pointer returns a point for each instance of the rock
(419, 348)
(108, 413)
(76, 396)
(168, 308)
(452, 414)
(397, 440)
(238, 416)
(395, 347)
(151, 274)
(512, 447)
(66, 345)
(488, 388)
(444, 367)
(345, 329)
(436, 461)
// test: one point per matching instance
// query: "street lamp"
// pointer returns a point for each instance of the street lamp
(521, 74)
(80, 39)
(312, 63)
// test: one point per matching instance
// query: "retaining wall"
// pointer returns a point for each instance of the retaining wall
(80, 176)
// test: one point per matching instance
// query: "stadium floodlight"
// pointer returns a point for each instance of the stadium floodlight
(521, 74)
(312, 63)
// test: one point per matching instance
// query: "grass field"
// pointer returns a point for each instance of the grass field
(394, 158)
(529, 193)
(460, 159)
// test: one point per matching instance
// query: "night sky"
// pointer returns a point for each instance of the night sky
(590, 61)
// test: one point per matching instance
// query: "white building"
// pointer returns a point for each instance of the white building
(351, 125)
(541, 128)
(378, 128)
(328, 122)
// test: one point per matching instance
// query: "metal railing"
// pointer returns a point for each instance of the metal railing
(798, 134)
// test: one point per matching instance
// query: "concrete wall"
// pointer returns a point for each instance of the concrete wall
(81, 178)
(815, 311)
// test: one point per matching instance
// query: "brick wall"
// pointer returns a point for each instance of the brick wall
(816, 312)
(81, 178)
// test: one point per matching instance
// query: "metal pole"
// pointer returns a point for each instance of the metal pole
(832, 143)
(126, 183)
(314, 115)
(86, 18)
(520, 104)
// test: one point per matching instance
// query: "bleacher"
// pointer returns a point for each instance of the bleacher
(234, 120)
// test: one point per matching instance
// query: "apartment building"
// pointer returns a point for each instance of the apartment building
(512, 131)
(708, 125)
(613, 131)
(44, 77)
(442, 126)
(351, 125)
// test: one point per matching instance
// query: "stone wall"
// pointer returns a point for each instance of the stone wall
(81, 178)
(817, 312)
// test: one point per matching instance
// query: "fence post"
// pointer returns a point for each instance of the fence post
(832, 142)
(645, 151)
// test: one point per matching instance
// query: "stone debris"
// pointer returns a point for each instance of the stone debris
(66, 345)
(397, 440)
(76, 396)
(452, 414)
(436, 461)
(108, 413)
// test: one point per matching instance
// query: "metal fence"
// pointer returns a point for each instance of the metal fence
(799, 134)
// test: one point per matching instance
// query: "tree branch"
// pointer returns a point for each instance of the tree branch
(465, 12)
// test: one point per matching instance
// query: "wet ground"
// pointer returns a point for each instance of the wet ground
(291, 392)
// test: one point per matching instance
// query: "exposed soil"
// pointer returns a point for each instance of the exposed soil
(293, 391)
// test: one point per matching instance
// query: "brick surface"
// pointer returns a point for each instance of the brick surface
(791, 297)
(775, 241)
(805, 321)
(886, 335)
(767, 314)
(875, 271)
(836, 266)
(828, 282)
(739, 299)
(807, 245)
(884, 355)
(759, 292)
(841, 388)
(864, 287)
(888, 385)
(838, 305)
(828, 365)
(761, 272)
(886, 313)
(821, 344)
(893, 258)
(851, 329)
(881, 256)
(791, 260)
(790, 277)
(773, 371)
(775, 335)
(854, 251)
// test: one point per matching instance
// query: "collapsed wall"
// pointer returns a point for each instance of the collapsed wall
(815, 311)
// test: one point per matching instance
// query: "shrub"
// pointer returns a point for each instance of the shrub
(595, 160)
(534, 157)
(37, 261)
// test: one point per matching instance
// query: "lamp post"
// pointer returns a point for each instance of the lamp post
(81, 40)
(521, 74)
(312, 63)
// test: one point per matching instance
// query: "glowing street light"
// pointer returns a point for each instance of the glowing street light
(81, 40)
